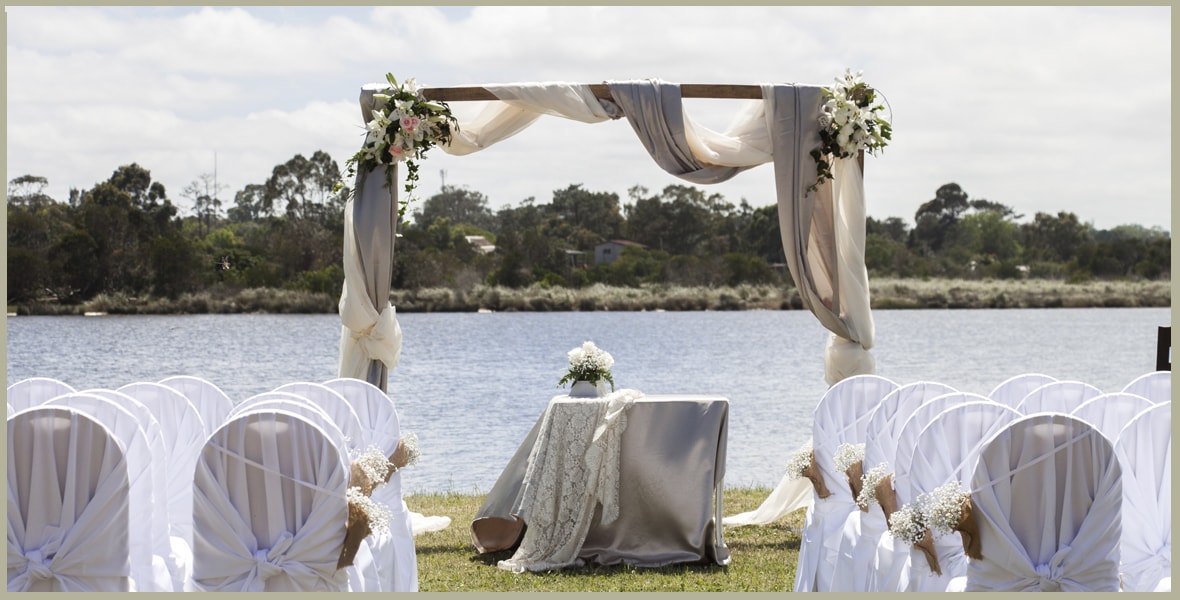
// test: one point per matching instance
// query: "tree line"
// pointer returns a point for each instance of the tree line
(125, 236)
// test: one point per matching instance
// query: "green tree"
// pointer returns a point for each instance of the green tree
(457, 205)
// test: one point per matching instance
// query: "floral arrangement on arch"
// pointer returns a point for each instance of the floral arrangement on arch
(404, 126)
(850, 122)
(590, 363)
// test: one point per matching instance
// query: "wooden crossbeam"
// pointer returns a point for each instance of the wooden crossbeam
(601, 90)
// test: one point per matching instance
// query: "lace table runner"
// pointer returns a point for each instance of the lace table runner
(573, 468)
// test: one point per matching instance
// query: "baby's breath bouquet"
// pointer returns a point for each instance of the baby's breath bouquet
(850, 122)
(589, 363)
(404, 126)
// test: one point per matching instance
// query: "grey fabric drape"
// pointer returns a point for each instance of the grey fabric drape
(655, 112)
(375, 226)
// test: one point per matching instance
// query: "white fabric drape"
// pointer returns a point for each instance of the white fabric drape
(147, 496)
(1012, 390)
(269, 507)
(35, 391)
(1145, 452)
(823, 232)
(863, 529)
(211, 402)
(1110, 413)
(841, 417)
(68, 505)
(947, 450)
(1058, 396)
(1155, 386)
(893, 556)
(1047, 496)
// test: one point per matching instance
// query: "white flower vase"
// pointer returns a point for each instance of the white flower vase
(587, 389)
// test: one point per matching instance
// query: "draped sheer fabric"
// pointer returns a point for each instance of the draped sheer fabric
(841, 417)
(892, 572)
(1155, 386)
(35, 391)
(269, 507)
(823, 232)
(863, 529)
(947, 450)
(147, 497)
(180, 558)
(211, 402)
(1047, 496)
(1012, 390)
(335, 406)
(1144, 450)
(68, 505)
(1110, 413)
(184, 436)
(396, 561)
(1058, 396)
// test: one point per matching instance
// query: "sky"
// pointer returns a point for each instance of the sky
(1043, 109)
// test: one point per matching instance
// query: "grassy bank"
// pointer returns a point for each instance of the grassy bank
(763, 557)
(885, 294)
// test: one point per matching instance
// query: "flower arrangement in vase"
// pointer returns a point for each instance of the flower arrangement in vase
(589, 365)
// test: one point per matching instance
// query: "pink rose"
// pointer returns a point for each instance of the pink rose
(410, 123)
(397, 152)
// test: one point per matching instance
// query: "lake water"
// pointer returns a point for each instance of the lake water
(471, 385)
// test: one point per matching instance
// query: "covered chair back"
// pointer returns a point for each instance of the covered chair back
(841, 417)
(1155, 386)
(34, 391)
(210, 401)
(269, 507)
(1110, 413)
(946, 452)
(1047, 496)
(1012, 390)
(1145, 452)
(68, 501)
(1058, 396)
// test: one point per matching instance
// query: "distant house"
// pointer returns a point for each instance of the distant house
(481, 244)
(609, 252)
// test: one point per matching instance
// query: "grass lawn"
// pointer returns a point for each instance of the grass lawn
(762, 557)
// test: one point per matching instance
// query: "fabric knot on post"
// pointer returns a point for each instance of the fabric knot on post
(1047, 580)
(37, 567)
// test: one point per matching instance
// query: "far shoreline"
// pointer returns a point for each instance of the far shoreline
(885, 294)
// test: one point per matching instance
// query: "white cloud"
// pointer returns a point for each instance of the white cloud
(1040, 108)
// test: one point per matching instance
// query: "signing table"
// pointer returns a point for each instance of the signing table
(625, 478)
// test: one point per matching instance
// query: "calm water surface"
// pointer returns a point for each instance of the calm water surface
(471, 385)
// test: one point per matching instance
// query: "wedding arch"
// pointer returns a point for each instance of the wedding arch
(822, 220)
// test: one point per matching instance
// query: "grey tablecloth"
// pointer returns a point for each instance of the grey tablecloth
(672, 468)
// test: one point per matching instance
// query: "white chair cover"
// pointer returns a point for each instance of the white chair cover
(147, 499)
(1058, 396)
(1014, 389)
(947, 450)
(180, 559)
(334, 405)
(1145, 453)
(1047, 494)
(212, 404)
(892, 572)
(1155, 386)
(35, 391)
(296, 404)
(863, 529)
(840, 418)
(184, 436)
(395, 551)
(1110, 413)
(269, 507)
(68, 501)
